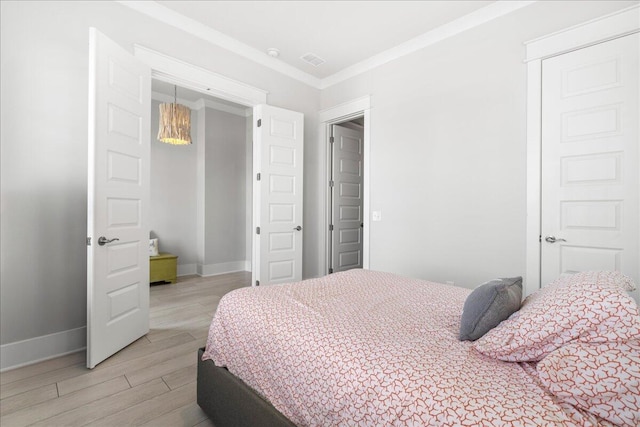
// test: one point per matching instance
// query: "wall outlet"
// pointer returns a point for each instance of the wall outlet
(377, 216)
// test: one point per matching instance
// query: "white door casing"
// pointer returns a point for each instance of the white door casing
(590, 157)
(278, 161)
(346, 198)
(118, 198)
(360, 107)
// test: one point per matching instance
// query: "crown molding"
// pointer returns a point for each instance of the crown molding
(457, 26)
(197, 29)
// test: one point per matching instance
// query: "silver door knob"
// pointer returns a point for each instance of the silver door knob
(103, 240)
(298, 228)
(553, 239)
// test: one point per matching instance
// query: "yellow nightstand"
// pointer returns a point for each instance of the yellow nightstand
(163, 268)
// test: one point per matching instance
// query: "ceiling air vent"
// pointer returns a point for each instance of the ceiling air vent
(312, 59)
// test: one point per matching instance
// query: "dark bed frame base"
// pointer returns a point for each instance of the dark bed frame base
(229, 402)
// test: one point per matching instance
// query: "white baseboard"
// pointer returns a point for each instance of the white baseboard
(38, 349)
(213, 269)
(222, 268)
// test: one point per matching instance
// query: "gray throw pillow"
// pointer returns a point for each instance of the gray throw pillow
(488, 305)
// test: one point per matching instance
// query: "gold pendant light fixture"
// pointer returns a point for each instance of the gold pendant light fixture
(175, 122)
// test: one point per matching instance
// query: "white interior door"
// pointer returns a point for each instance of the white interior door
(590, 160)
(118, 199)
(346, 199)
(278, 162)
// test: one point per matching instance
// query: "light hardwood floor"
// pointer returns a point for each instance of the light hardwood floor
(151, 382)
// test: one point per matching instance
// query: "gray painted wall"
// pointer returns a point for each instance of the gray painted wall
(225, 187)
(174, 195)
(44, 83)
(172, 216)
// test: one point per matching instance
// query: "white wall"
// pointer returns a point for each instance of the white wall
(44, 81)
(172, 216)
(448, 159)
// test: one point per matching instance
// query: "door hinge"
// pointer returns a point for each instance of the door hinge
(257, 230)
(259, 122)
(330, 270)
(258, 177)
(331, 183)
(330, 227)
(540, 238)
(257, 282)
(331, 140)
(88, 241)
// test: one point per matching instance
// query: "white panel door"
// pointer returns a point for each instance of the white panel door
(590, 160)
(346, 199)
(118, 199)
(278, 158)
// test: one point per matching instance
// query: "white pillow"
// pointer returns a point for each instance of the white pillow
(153, 247)
(565, 311)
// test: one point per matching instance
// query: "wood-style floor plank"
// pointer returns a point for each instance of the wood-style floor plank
(188, 415)
(142, 375)
(98, 374)
(150, 382)
(200, 334)
(145, 349)
(42, 367)
(181, 377)
(38, 381)
(50, 408)
(28, 398)
(155, 335)
(98, 409)
(151, 409)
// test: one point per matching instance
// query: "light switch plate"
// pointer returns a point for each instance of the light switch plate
(377, 216)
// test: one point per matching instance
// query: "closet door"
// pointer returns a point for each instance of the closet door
(590, 160)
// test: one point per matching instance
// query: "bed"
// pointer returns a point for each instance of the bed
(367, 348)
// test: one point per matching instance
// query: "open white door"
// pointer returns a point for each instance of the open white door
(278, 167)
(590, 153)
(346, 198)
(118, 199)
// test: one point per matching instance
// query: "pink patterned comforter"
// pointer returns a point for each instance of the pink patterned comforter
(365, 348)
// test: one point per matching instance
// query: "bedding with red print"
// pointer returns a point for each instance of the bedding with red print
(366, 348)
(585, 307)
(602, 378)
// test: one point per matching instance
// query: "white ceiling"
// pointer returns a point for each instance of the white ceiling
(351, 36)
(342, 33)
